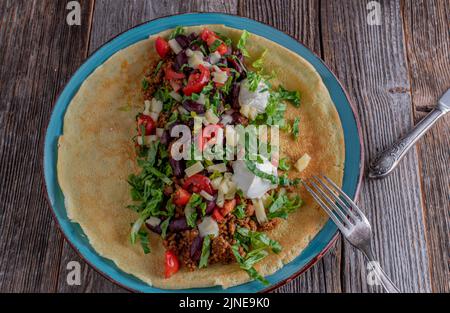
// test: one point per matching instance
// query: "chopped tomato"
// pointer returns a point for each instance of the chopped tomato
(197, 183)
(217, 215)
(197, 81)
(172, 265)
(210, 37)
(222, 49)
(148, 122)
(228, 207)
(170, 74)
(181, 197)
(162, 47)
(206, 33)
(209, 135)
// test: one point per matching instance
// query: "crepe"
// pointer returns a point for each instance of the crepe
(96, 155)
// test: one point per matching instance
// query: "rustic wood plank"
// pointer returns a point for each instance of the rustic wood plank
(120, 16)
(35, 44)
(428, 47)
(300, 19)
(371, 63)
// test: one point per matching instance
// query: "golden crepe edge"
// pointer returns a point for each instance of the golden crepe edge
(96, 155)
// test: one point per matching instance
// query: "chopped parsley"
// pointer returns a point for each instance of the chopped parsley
(283, 164)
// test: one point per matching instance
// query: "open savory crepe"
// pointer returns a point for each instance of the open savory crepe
(231, 228)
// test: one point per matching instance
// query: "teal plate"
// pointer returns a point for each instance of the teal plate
(73, 232)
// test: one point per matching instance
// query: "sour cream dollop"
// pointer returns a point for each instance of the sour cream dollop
(252, 186)
(257, 99)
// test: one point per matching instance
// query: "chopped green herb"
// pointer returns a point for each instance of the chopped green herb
(283, 164)
(239, 211)
(295, 129)
(213, 47)
(253, 80)
(164, 226)
(145, 84)
(158, 67)
(258, 64)
(276, 180)
(206, 250)
(143, 238)
(291, 96)
(281, 205)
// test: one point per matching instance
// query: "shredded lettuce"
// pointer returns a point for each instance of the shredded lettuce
(281, 205)
(206, 250)
(179, 30)
(242, 42)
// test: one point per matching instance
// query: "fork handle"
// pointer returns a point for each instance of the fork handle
(386, 282)
(387, 160)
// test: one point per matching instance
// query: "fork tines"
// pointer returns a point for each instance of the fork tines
(341, 209)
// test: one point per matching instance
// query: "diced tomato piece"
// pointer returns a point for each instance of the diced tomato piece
(171, 263)
(148, 122)
(228, 207)
(162, 47)
(217, 215)
(170, 74)
(206, 33)
(211, 39)
(222, 49)
(197, 81)
(181, 197)
(197, 183)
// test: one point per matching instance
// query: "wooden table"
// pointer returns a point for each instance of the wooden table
(393, 72)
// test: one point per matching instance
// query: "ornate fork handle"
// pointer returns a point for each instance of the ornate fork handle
(385, 162)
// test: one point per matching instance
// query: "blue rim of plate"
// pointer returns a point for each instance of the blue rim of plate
(349, 119)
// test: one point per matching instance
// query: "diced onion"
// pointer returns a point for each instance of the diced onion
(232, 188)
(201, 99)
(175, 95)
(206, 195)
(221, 168)
(219, 76)
(182, 110)
(153, 221)
(208, 227)
(303, 162)
(215, 183)
(220, 201)
(211, 117)
(230, 135)
(147, 105)
(226, 119)
(194, 169)
(156, 106)
(224, 187)
(260, 212)
(154, 116)
(214, 57)
(147, 140)
(175, 46)
(159, 132)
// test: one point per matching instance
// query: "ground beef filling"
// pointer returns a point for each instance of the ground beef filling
(180, 243)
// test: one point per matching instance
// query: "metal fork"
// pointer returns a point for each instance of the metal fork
(349, 219)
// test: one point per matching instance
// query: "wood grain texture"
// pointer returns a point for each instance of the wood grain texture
(300, 19)
(120, 16)
(427, 25)
(34, 67)
(371, 63)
